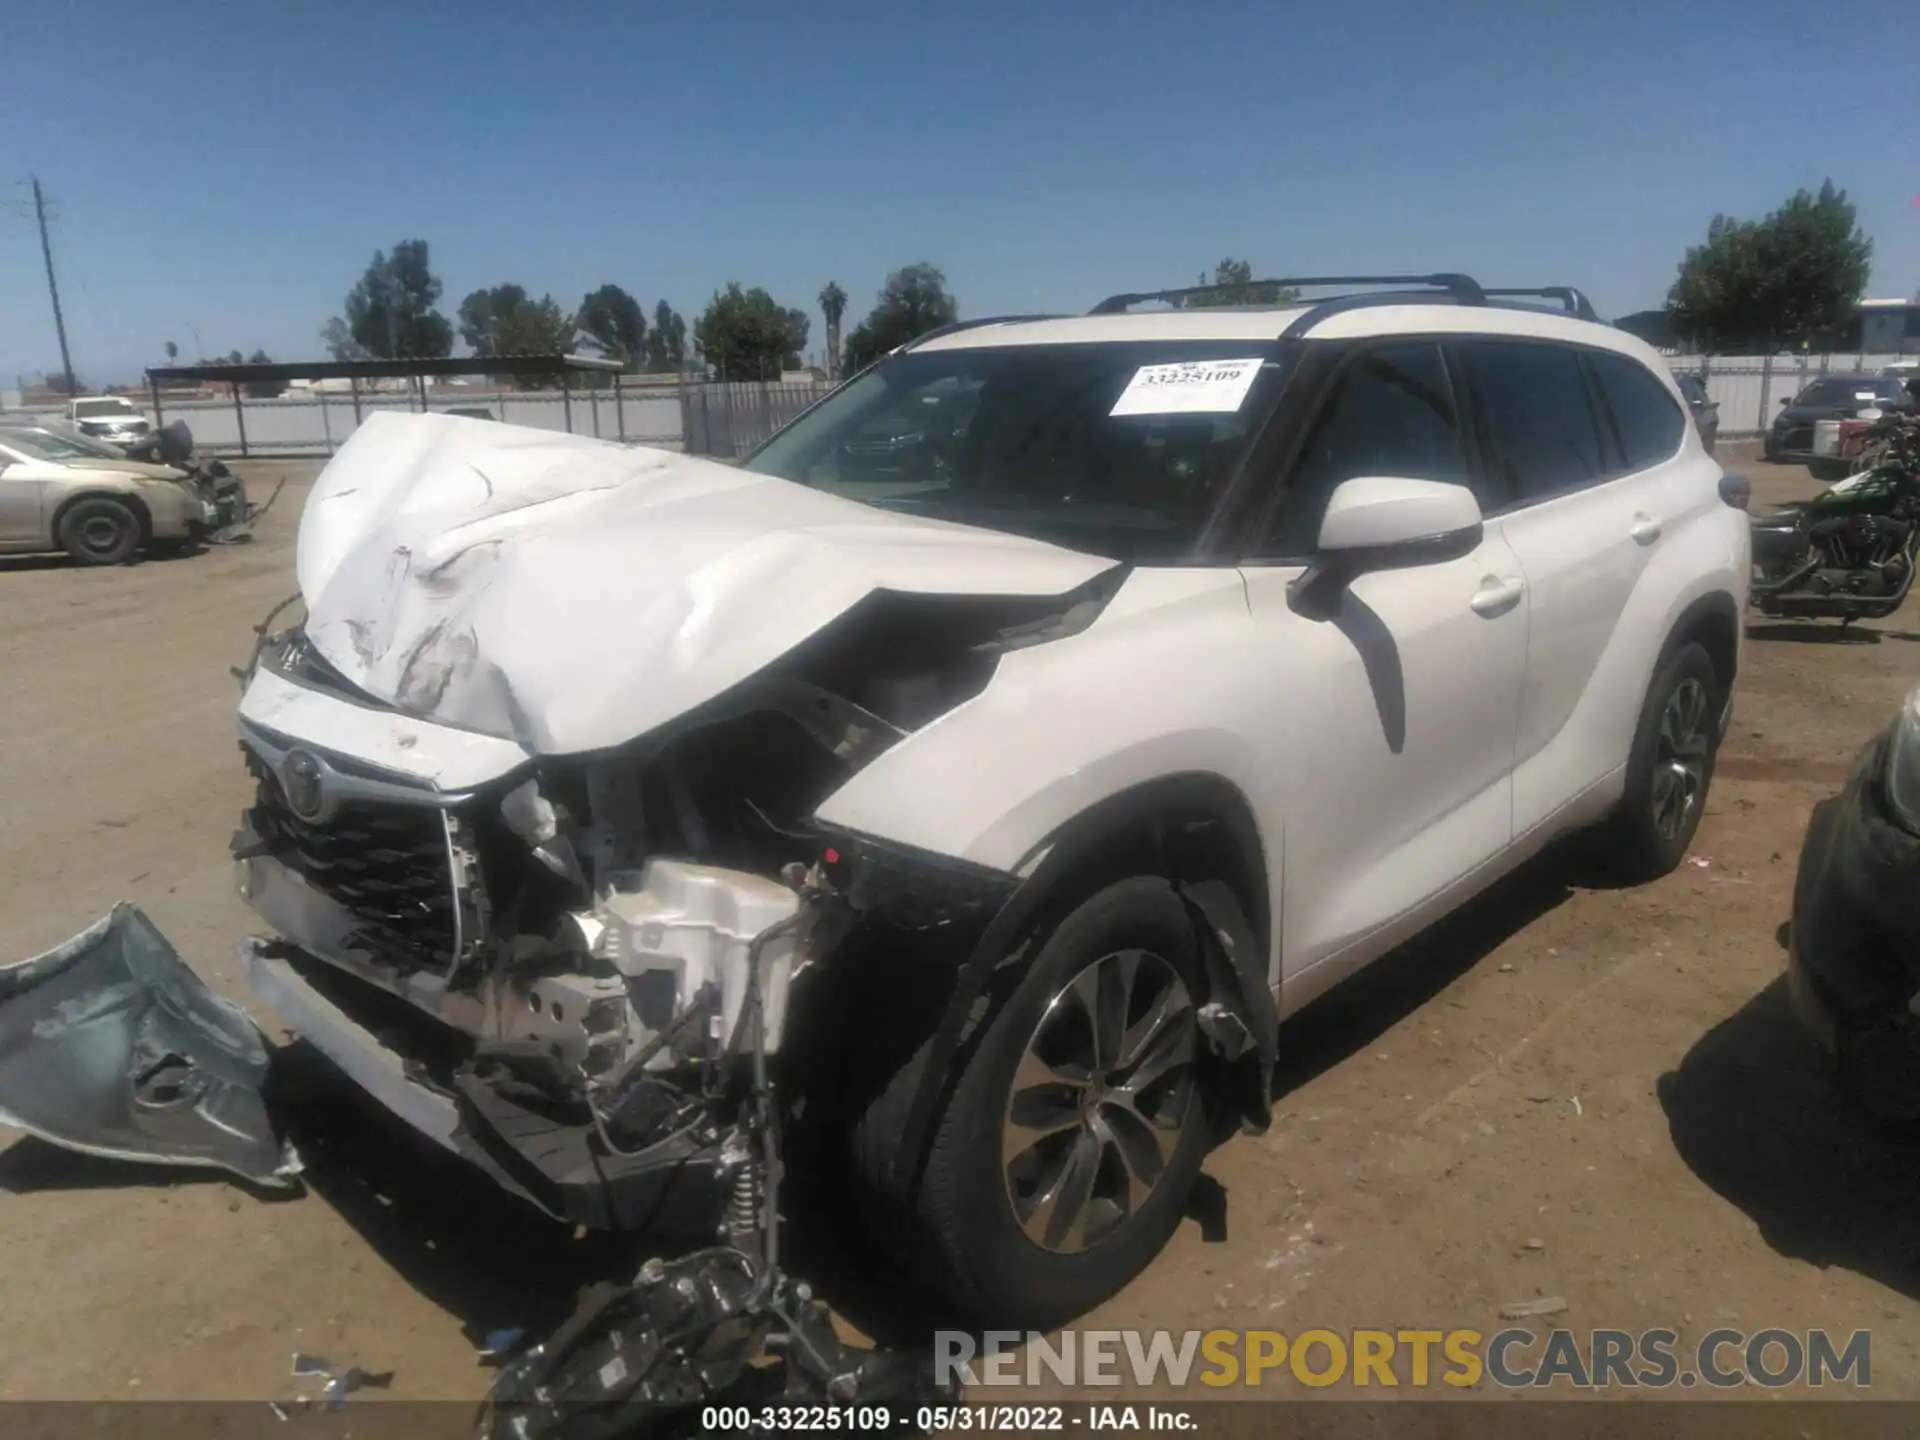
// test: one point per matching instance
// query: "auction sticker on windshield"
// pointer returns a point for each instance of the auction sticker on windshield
(1190, 387)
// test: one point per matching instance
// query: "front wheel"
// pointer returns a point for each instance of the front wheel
(1669, 769)
(1064, 1158)
(100, 531)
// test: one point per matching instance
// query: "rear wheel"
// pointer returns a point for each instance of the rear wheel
(100, 531)
(1668, 769)
(1063, 1160)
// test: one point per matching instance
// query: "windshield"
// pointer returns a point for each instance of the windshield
(1119, 450)
(1843, 390)
(101, 409)
(43, 445)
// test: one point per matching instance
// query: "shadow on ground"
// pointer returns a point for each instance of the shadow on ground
(1831, 633)
(1357, 1012)
(1755, 1113)
(486, 1257)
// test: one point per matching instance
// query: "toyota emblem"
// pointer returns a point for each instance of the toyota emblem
(302, 777)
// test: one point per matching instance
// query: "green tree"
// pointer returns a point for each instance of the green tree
(913, 301)
(340, 342)
(613, 320)
(666, 341)
(1781, 280)
(746, 336)
(1238, 273)
(506, 321)
(390, 310)
(173, 352)
(833, 305)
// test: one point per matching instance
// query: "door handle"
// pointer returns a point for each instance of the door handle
(1645, 530)
(1496, 596)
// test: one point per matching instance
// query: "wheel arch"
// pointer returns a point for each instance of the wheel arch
(1713, 620)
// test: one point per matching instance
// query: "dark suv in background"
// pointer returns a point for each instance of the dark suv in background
(1831, 397)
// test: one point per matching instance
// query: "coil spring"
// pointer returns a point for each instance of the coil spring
(743, 1205)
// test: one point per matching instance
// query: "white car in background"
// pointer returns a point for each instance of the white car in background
(112, 418)
(1000, 800)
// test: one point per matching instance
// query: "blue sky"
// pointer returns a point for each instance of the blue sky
(231, 168)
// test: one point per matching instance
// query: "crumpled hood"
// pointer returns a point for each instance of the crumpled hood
(572, 594)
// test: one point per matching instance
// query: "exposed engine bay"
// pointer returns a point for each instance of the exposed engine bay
(605, 940)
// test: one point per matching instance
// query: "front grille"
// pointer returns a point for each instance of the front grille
(386, 864)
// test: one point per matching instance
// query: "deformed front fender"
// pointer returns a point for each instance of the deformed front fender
(1238, 1020)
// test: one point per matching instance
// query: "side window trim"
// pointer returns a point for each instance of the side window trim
(1684, 411)
(1613, 441)
(1326, 392)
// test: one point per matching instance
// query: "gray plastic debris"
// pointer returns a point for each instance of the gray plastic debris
(111, 1046)
(352, 1379)
(339, 1384)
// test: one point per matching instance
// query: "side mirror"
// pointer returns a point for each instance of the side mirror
(1787, 401)
(1381, 522)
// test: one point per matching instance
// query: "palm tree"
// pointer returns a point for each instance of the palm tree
(833, 305)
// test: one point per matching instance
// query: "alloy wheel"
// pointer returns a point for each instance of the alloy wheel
(1099, 1102)
(1680, 758)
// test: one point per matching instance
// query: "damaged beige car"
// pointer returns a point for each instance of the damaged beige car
(62, 491)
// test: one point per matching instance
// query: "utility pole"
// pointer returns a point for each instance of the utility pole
(53, 288)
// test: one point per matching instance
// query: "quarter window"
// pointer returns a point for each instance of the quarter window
(1391, 412)
(1539, 434)
(1649, 424)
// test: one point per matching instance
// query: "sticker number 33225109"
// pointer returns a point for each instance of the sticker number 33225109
(1191, 387)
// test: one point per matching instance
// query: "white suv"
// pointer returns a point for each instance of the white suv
(990, 793)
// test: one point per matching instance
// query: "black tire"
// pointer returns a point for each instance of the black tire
(100, 531)
(1645, 838)
(958, 1230)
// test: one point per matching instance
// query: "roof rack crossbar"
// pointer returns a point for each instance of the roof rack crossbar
(1464, 288)
(1571, 300)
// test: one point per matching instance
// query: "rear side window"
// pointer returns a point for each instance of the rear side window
(1649, 424)
(1539, 434)
(1390, 412)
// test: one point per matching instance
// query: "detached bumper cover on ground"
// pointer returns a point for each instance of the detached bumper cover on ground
(1855, 960)
(111, 1046)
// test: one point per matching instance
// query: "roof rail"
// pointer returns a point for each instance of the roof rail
(1464, 289)
(959, 325)
(1575, 304)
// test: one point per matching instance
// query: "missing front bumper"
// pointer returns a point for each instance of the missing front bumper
(547, 1155)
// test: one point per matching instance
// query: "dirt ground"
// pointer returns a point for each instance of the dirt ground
(1591, 1094)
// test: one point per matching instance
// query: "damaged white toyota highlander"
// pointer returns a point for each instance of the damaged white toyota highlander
(959, 791)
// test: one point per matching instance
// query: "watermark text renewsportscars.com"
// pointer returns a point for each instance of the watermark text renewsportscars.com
(1416, 1359)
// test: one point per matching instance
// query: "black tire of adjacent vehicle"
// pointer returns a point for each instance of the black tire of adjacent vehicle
(955, 1230)
(99, 531)
(1630, 847)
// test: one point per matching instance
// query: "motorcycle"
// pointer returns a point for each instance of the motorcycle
(225, 493)
(1850, 553)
